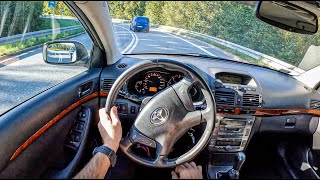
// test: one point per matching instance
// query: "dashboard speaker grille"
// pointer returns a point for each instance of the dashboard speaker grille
(122, 65)
(251, 100)
(224, 98)
(106, 84)
(315, 104)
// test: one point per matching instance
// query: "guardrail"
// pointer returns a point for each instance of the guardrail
(271, 61)
(120, 20)
(36, 34)
(60, 18)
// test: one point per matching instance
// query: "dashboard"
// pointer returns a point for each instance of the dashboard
(249, 99)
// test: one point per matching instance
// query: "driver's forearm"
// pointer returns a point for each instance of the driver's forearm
(96, 168)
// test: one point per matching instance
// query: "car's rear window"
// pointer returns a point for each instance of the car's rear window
(142, 20)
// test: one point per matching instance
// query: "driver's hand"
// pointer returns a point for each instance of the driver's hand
(110, 128)
(187, 171)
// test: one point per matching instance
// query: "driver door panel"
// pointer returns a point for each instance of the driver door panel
(34, 133)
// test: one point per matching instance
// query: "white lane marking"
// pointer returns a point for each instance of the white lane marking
(209, 53)
(7, 59)
(132, 41)
(135, 44)
(15, 57)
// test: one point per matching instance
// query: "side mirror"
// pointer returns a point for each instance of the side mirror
(65, 52)
(287, 16)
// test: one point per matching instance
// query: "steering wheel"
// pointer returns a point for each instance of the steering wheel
(167, 116)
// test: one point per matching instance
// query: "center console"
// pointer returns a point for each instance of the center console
(230, 139)
(232, 134)
(237, 95)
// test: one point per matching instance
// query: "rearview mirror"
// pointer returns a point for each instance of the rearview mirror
(65, 52)
(287, 16)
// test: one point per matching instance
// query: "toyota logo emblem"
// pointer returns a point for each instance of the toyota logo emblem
(159, 116)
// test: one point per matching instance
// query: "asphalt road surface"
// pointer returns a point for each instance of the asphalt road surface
(25, 75)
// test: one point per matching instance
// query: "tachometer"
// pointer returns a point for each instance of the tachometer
(152, 83)
(174, 79)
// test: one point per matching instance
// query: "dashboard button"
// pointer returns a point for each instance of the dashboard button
(82, 114)
(72, 137)
(77, 138)
(75, 126)
(213, 141)
(228, 148)
(244, 142)
(80, 127)
(250, 122)
(222, 133)
(247, 132)
(133, 110)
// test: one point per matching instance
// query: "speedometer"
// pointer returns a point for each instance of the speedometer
(152, 83)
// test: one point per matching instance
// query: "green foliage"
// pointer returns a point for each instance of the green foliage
(154, 11)
(18, 17)
(126, 9)
(25, 16)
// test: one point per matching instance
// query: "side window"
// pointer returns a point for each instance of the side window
(24, 27)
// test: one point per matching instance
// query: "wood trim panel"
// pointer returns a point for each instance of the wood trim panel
(270, 112)
(53, 121)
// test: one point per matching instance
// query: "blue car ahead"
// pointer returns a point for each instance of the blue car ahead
(140, 23)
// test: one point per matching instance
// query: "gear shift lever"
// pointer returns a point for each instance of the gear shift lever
(238, 162)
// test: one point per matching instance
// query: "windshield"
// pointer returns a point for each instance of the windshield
(220, 29)
(142, 20)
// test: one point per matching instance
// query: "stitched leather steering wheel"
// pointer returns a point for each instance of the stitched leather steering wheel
(167, 116)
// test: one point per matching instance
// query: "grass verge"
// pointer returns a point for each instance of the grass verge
(47, 24)
(225, 48)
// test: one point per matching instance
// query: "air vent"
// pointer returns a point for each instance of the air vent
(224, 98)
(122, 65)
(315, 104)
(106, 84)
(251, 100)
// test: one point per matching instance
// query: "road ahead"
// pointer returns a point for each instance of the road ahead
(25, 75)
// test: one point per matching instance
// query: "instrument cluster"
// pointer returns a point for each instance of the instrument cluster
(149, 82)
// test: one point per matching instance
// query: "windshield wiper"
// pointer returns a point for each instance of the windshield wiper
(201, 55)
(177, 54)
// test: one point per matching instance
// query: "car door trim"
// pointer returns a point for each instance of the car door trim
(44, 128)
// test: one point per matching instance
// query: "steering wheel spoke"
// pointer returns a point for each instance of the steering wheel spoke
(182, 89)
(191, 119)
(162, 160)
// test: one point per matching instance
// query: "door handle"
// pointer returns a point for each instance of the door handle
(85, 89)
